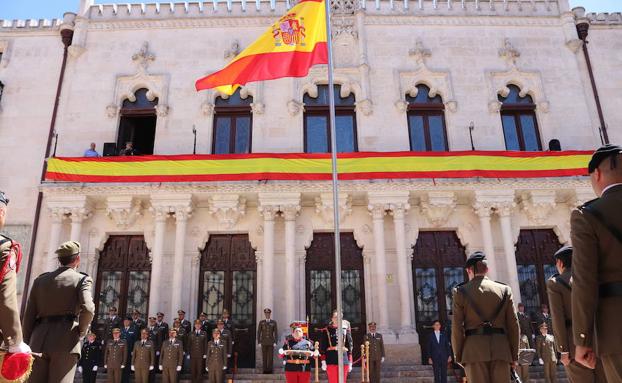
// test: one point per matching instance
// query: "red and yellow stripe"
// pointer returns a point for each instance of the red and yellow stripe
(317, 167)
(277, 53)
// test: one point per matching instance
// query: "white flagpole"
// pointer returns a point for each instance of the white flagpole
(333, 153)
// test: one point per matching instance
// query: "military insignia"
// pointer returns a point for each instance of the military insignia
(289, 30)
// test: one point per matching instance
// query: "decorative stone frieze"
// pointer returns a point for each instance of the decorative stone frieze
(538, 205)
(227, 208)
(324, 206)
(438, 206)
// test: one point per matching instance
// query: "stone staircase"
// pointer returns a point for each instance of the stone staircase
(390, 373)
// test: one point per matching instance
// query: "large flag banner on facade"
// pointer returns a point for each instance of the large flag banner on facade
(292, 45)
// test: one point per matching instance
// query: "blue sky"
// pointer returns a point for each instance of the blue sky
(49, 9)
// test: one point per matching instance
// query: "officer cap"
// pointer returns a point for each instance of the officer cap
(3, 198)
(181, 312)
(220, 321)
(113, 309)
(129, 317)
(215, 331)
(267, 310)
(152, 318)
(203, 314)
(160, 314)
(116, 329)
(602, 154)
(68, 249)
(136, 312)
(172, 329)
(566, 250)
(543, 325)
(91, 334)
(478, 256)
(371, 323)
(197, 321)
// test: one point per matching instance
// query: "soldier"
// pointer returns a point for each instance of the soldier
(113, 321)
(544, 317)
(197, 353)
(155, 337)
(205, 324)
(545, 345)
(185, 323)
(91, 354)
(226, 319)
(57, 301)
(267, 336)
(524, 322)
(130, 336)
(225, 337)
(485, 329)
(162, 325)
(10, 259)
(115, 356)
(297, 352)
(523, 367)
(137, 321)
(376, 352)
(216, 358)
(559, 288)
(330, 351)
(171, 357)
(143, 357)
(596, 234)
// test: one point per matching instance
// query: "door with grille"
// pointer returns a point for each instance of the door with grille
(320, 285)
(228, 280)
(437, 266)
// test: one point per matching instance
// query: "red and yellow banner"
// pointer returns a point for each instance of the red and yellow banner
(317, 167)
(292, 45)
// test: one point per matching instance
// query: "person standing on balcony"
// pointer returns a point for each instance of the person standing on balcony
(128, 150)
(91, 152)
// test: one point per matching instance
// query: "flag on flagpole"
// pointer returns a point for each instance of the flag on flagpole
(292, 45)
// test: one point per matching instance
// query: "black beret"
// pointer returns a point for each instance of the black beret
(563, 251)
(3, 198)
(602, 154)
(478, 256)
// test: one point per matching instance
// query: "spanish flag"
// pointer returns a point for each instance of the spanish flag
(292, 45)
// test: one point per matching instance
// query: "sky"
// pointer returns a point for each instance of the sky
(50, 9)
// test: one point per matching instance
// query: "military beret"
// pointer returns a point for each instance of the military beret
(478, 256)
(602, 154)
(68, 249)
(267, 310)
(563, 251)
(3, 198)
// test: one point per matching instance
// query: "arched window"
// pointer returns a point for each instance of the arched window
(426, 121)
(137, 124)
(518, 117)
(233, 123)
(317, 120)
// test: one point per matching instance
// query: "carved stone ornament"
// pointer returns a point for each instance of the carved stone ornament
(509, 53)
(124, 210)
(143, 58)
(161, 110)
(257, 107)
(574, 45)
(324, 206)
(227, 208)
(538, 205)
(112, 111)
(232, 51)
(529, 83)
(438, 206)
(207, 108)
(294, 107)
(364, 106)
(419, 53)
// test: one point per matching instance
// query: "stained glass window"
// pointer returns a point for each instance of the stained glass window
(321, 298)
(427, 303)
(351, 295)
(213, 294)
(243, 297)
(110, 292)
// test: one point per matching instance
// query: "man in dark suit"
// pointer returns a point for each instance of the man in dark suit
(440, 353)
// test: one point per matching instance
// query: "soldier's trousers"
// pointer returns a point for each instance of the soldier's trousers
(267, 358)
(375, 369)
(612, 365)
(550, 372)
(497, 371)
(523, 372)
(141, 374)
(169, 374)
(577, 373)
(54, 367)
(88, 375)
(114, 375)
(297, 376)
(196, 369)
(332, 370)
(216, 375)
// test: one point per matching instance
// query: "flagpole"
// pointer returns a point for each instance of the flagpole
(335, 181)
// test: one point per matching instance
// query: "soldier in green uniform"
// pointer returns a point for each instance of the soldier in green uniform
(115, 356)
(113, 321)
(197, 343)
(171, 357)
(137, 321)
(216, 358)
(485, 329)
(225, 337)
(143, 357)
(545, 346)
(10, 257)
(267, 336)
(58, 314)
(596, 234)
(523, 368)
(376, 352)
(524, 322)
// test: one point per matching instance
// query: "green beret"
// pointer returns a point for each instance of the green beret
(68, 249)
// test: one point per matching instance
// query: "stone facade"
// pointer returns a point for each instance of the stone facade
(466, 51)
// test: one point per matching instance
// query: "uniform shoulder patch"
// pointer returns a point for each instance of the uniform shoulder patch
(588, 203)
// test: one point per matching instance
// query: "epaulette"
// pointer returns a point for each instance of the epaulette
(42, 274)
(554, 277)
(460, 284)
(588, 203)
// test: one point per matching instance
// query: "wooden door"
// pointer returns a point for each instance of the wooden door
(437, 266)
(228, 280)
(320, 285)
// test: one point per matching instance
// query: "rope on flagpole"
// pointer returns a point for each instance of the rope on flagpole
(333, 152)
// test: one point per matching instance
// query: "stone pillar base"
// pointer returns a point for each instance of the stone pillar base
(402, 354)
(408, 335)
(388, 335)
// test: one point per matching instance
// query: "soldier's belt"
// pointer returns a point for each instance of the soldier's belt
(485, 330)
(334, 348)
(610, 290)
(298, 361)
(57, 318)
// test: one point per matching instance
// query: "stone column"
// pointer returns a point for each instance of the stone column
(195, 269)
(399, 212)
(504, 212)
(161, 214)
(301, 257)
(269, 213)
(483, 211)
(57, 217)
(78, 216)
(182, 213)
(290, 213)
(377, 212)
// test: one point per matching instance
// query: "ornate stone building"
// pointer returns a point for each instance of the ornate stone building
(418, 75)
